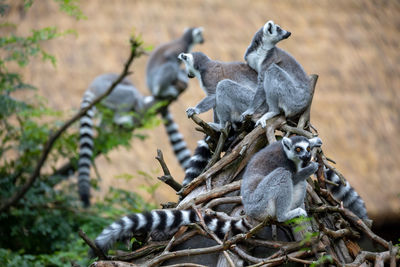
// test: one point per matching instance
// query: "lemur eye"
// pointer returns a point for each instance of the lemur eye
(308, 149)
(298, 149)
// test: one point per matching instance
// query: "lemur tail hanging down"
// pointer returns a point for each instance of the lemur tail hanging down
(166, 221)
(125, 97)
(178, 144)
(166, 80)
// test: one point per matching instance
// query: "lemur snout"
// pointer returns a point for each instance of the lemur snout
(306, 158)
(287, 35)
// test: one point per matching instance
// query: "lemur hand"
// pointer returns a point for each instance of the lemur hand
(191, 111)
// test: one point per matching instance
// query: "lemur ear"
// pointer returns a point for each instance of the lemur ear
(315, 142)
(268, 27)
(287, 142)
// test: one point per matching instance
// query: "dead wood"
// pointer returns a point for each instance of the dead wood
(331, 235)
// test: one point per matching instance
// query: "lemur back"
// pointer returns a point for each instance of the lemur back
(165, 80)
(282, 81)
(274, 181)
(125, 97)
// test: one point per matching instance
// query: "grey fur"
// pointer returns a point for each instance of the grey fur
(163, 68)
(210, 72)
(282, 81)
(345, 193)
(125, 97)
(274, 180)
(232, 99)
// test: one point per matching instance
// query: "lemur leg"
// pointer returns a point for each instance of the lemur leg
(258, 100)
(205, 104)
(271, 85)
(272, 196)
(232, 99)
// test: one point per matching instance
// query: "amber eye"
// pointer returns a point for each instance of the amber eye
(298, 149)
(308, 149)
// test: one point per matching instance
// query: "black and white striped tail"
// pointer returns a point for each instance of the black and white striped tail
(347, 194)
(197, 162)
(163, 221)
(85, 149)
(176, 139)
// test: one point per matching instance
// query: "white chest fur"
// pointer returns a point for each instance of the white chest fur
(255, 58)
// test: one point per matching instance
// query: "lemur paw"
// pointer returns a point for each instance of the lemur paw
(191, 111)
(247, 113)
(302, 212)
(262, 122)
(314, 166)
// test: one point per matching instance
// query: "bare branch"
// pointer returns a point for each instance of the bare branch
(135, 52)
(92, 245)
(167, 178)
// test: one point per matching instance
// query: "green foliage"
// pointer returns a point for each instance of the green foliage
(40, 229)
(322, 260)
(70, 247)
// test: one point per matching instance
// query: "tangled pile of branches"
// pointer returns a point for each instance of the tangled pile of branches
(332, 234)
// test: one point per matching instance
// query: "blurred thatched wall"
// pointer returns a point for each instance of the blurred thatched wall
(352, 45)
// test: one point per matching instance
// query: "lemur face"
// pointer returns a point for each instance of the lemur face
(298, 149)
(187, 58)
(273, 33)
(197, 35)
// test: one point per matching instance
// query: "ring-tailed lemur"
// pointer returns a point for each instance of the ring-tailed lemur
(125, 97)
(165, 221)
(345, 193)
(166, 80)
(210, 73)
(274, 181)
(282, 81)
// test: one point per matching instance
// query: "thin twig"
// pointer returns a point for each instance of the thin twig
(214, 193)
(220, 146)
(224, 200)
(212, 234)
(99, 253)
(356, 221)
(206, 128)
(167, 178)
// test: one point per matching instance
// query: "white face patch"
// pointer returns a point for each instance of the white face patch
(273, 33)
(197, 35)
(187, 59)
